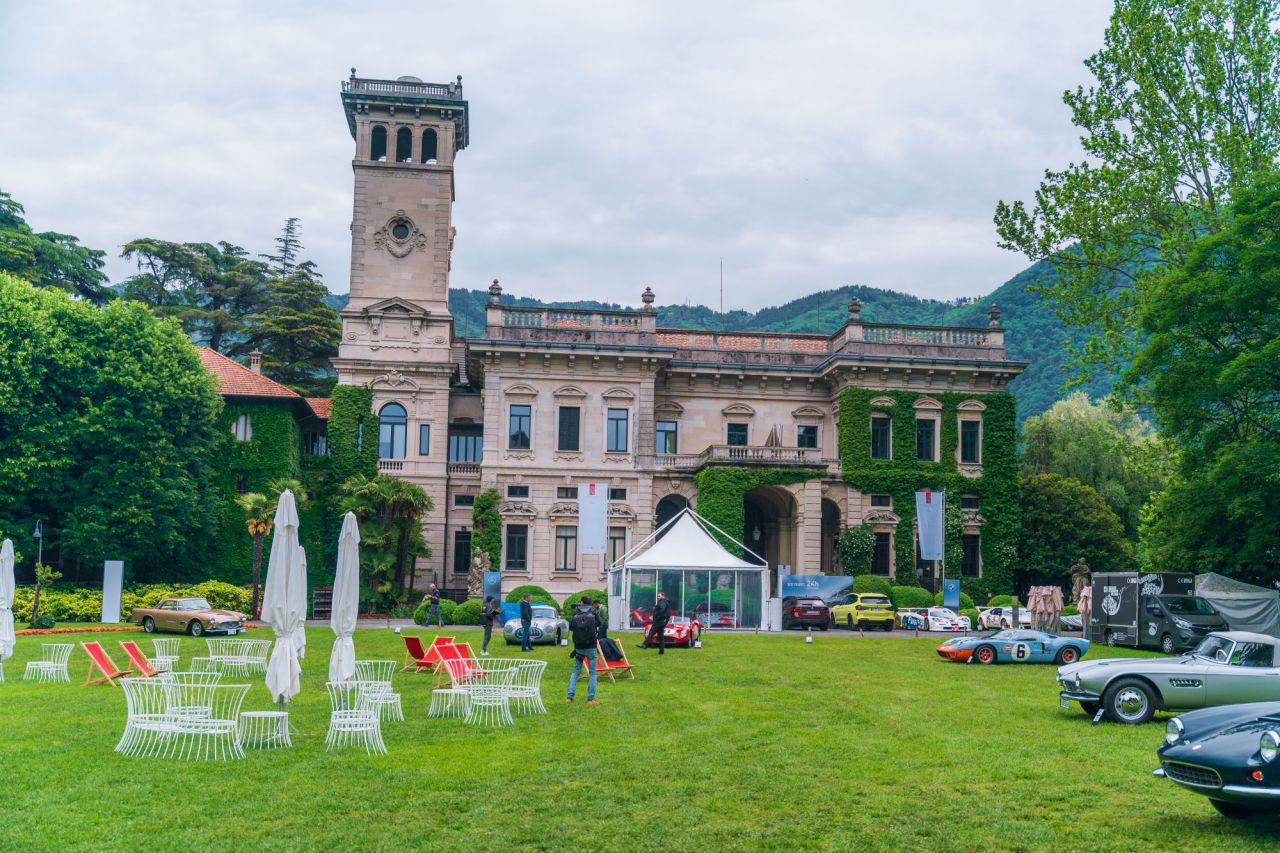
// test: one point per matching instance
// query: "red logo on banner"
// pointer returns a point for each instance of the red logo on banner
(928, 497)
(591, 488)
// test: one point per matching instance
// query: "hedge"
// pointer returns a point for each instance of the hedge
(574, 600)
(1001, 601)
(68, 603)
(447, 612)
(872, 583)
(910, 596)
(466, 613)
(972, 613)
(903, 475)
(537, 595)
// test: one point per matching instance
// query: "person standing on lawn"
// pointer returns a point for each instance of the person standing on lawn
(491, 613)
(433, 611)
(601, 617)
(526, 624)
(661, 615)
(584, 627)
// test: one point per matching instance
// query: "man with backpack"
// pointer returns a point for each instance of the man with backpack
(658, 627)
(584, 627)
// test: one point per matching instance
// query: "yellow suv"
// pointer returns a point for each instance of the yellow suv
(863, 610)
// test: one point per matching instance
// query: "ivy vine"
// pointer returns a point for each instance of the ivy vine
(903, 475)
(486, 523)
(721, 489)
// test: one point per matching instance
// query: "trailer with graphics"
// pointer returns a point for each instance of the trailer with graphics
(1151, 610)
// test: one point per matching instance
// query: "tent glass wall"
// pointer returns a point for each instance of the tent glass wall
(716, 598)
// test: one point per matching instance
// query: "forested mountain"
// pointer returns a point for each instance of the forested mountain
(1034, 333)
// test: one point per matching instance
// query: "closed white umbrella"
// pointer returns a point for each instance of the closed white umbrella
(280, 603)
(298, 594)
(346, 601)
(6, 600)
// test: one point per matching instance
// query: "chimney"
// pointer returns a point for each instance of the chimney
(255, 361)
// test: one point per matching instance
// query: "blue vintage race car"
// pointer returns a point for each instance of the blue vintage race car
(1015, 647)
(1227, 754)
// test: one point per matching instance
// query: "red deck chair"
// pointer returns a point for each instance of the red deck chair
(459, 653)
(609, 667)
(417, 658)
(137, 660)
(99, 660)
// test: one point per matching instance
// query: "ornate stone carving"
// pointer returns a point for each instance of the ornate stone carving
(621, 511)
(563, 508)
(399, 236)
(968, 470)
(972, 518)
(516, 508)
(617, 458)
(881, 516)
(568, 456)
(518, 455)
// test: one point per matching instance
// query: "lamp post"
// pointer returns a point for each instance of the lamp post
(38, 535)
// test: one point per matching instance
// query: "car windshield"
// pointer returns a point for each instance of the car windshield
(1003, 635)
(193, 604)
(874, 599)
(543, 613)
(941, 612)
(1214, 647)
(1191, 605)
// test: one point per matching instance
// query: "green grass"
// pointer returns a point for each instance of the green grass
(759, 742)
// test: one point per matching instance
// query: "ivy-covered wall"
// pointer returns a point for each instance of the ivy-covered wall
(903, 475)
(486, 523)
(722, 488)
(353, 434)
(273, 453)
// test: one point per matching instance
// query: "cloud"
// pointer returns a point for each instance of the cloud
(613, 146)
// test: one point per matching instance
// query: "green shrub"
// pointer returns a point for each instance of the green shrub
(1001, 601)
(221, 595)
(466, 613)
(910, 596)
(537, 594)
(966, 603)
(447, 612)
(972, 613)
(854, 548)
(595, 594)
(872, 583)
(1070, 610)
(43, 621)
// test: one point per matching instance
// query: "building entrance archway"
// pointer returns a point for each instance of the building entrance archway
(830, 536)
(667, 509)
(769, 527)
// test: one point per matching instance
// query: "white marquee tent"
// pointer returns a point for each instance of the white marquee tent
(1245, 607)
(700, 577)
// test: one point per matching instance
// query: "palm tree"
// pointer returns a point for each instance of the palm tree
(259, 515)
(409, 503)
(395, 507)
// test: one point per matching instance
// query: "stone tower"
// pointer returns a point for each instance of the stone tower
(397, 333)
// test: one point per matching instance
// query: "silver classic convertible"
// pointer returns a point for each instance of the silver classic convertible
(1226, 668)
(547, 627)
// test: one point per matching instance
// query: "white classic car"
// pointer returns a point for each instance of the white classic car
(1001, 618)
(932, 619)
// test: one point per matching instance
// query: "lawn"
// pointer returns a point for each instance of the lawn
(751, 741)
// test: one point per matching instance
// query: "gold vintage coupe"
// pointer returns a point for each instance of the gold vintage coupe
(191, 616)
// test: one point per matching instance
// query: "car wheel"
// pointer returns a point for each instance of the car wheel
(149, 625)
(824, 627)
(985, 654)
(1129, 701)
(1090, 708)
(1069, 654)
(1167, 645)
(849, 620)
(1236, 811)
(196, 628)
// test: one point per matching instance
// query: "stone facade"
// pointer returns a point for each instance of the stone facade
(558, 397)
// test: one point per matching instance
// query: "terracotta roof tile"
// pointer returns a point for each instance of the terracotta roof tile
(236, 380)
(322, 406)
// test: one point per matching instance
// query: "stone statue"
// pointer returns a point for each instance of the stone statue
(475, 576)
(1079, 580)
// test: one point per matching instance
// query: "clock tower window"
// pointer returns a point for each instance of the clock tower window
(378, 146)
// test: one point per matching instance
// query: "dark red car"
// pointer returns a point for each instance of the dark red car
(802, 611)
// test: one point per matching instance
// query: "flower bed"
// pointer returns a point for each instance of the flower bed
(31, 632)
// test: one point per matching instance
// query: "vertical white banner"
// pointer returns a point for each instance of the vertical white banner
(930, 512)
(112, 581)
(593, 518)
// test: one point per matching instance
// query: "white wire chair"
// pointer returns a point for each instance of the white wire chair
(488, 705)
(189, 694)
(52, 666)
(255, 654)
(355, 717)
(265, 729)
(525, 689)
(382, 671)
(147, 718)
(167, 652)
(183, 719)
(213, 734)
(451, 701)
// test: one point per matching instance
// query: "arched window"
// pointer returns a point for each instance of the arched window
(404, 145)
(392, 422)
(428, 146)
(378, 148)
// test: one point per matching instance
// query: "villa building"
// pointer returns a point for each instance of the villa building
(550, 398)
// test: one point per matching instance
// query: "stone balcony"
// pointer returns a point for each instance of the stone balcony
(732, 454)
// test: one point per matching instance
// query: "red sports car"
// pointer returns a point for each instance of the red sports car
(682, 631)
(641, 617)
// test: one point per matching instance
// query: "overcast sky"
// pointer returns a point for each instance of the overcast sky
(613, 145)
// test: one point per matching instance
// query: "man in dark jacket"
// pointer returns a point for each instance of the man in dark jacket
(526, 624)
(597, 607)
(584, 627)
(661, 615)
(491, 613)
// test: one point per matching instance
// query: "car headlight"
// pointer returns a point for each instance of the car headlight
(1173, 731)
(1182, 623)
(1268, 744)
